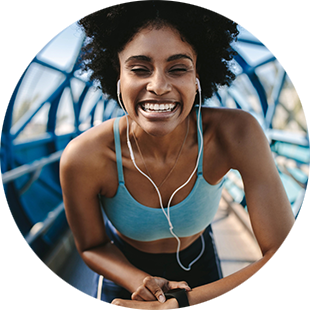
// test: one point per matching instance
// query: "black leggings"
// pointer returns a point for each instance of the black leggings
(206, 270)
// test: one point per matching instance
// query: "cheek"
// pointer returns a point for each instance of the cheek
(190, 96)
(131, 87)
(130, 94)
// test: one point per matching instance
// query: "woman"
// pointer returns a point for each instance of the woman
(158, 171)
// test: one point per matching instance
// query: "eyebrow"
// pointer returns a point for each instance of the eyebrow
(149, 59)
(179, 56)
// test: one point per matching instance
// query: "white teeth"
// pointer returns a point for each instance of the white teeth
(150, 107)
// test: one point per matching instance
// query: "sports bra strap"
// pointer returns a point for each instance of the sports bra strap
(118, 151)
(200, 166)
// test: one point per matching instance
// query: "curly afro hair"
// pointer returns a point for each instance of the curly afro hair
(109, 30)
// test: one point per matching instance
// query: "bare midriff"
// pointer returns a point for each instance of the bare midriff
(168, 245)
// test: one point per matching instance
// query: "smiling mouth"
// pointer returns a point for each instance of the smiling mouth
(158, 107)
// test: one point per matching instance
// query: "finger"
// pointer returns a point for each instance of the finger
(151, 284)
(173, 285)
(118, 302)
(135, 296)
(142, 293)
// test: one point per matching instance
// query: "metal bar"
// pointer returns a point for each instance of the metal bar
(268, 60)
(2, 137)
(28, 184)
(76, 107)
(250, 72)
(248, 41)
(28, 168)
(304, 82)
(276, 135)
(276, 92)
(300, 170)
(284, 170)
(239, 99)
(24, 121)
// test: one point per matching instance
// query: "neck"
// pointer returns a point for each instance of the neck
(162, 147)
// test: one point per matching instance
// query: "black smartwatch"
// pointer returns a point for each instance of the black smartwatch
(180, 295)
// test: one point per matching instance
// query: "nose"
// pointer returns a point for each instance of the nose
(159, 84)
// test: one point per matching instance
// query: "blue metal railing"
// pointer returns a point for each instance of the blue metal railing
(10, 264)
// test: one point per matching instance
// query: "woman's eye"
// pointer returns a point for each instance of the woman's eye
(140, 70)
(178, 70)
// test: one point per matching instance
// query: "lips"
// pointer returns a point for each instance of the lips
(158, 107)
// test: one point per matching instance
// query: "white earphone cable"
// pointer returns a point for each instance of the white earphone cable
(167, 214)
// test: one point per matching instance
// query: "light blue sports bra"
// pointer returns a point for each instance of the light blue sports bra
(143, 223)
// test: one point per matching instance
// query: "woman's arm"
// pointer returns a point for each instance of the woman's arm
(82, 170)
(269, 209)
(81, 185)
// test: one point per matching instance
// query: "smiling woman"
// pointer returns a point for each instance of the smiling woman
(157, 173)
(158, 68)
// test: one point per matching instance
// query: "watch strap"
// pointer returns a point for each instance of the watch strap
(179, 295)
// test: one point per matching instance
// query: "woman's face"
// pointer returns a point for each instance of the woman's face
(158, 79)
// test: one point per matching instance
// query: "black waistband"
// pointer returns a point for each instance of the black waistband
(137, 257)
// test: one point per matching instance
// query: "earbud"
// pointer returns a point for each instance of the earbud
(198, 84)
(118, 88)
(118, 92)
(130, 150)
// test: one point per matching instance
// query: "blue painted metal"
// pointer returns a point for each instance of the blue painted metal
(31, 202)
(275, 98)
(252, 42)
(250, 72)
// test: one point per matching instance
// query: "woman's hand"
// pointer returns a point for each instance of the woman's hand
(123, 304)
(153, 288)
(135, 304)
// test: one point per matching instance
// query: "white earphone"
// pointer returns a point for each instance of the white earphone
(118, 92)
(198, 85)
(167, 214)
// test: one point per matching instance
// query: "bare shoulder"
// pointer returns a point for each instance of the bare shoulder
(237, 132)
(89, 154)
(229, 121)
(90, 144)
